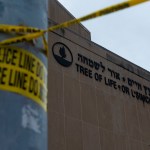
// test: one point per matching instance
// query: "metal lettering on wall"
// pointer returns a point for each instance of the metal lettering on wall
(93, 69)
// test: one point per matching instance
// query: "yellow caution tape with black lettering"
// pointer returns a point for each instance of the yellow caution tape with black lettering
(23, 73)
(18, 29)
(99, 13)
(36, 33)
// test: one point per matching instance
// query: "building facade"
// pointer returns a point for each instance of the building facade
(96, 100)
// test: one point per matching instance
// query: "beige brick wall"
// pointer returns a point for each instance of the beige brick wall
(86, 114)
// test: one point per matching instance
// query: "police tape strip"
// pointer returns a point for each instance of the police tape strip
(36, 33)
(18, 29)
(28, 38)
(24, 35)
(99, 13)
(23, 73)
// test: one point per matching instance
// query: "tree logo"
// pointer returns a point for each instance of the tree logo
(62, 54)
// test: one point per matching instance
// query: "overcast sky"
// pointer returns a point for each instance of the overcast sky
(126, 32)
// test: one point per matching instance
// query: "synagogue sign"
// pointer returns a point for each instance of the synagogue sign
(97, 70)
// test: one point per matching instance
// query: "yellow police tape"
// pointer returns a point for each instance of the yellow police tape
(23, 73)
(18, 29)
(20, 71)
(34, 33)
(99, 13)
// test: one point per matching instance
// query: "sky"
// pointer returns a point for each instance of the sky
(125, 33)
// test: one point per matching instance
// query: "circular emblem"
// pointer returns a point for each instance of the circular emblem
(62, 54)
